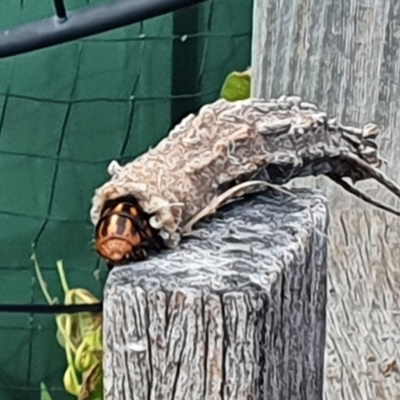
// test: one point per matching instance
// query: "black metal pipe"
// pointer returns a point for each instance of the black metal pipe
(85, 22)
(51, 309)
(60, 9)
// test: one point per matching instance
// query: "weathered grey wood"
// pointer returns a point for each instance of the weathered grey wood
(345, 56)
(236, 312)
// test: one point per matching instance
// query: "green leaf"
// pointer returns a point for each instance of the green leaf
(92, 385)
(237, 86)
(44, 393)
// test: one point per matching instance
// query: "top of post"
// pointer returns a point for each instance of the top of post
(245, 245)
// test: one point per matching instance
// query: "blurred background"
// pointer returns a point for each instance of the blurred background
(65, 113)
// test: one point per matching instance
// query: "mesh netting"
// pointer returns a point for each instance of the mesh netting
(65, 112)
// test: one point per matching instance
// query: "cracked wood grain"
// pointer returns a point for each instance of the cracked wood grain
(345, 57)
(236, 312)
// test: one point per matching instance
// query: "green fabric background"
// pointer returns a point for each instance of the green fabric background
(65, 113)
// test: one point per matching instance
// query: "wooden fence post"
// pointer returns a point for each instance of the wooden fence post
(236, 312)
(344, 56)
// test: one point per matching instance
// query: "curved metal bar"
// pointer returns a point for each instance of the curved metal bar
(85, 22)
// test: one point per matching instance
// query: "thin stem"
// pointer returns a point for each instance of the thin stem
(63, 279)
(42, 283)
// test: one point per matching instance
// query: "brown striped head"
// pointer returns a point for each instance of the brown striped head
(123, 233)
